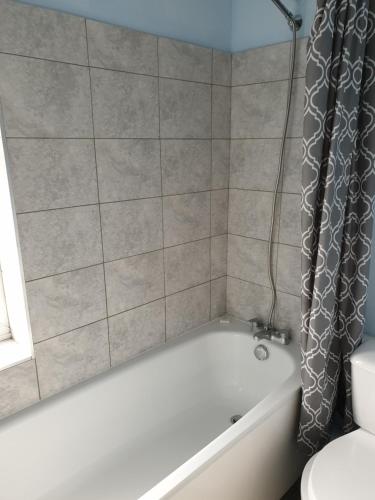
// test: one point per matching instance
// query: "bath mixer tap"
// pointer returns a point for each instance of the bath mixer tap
(266, 332)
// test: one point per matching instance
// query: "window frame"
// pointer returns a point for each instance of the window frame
(19, 346)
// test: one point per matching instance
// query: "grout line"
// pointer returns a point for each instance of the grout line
(97, 203)
(163, 297)
(162, 195)
(275, 242)
(113, 138)
(71, 330)
(211, 182)
(100, 212)
(121, 258)
(37, 376)
(266, 82)
(114, 70)
(263, 286)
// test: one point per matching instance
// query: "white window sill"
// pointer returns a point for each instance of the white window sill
(12, 353)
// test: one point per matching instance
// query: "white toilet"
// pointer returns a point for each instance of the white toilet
(344, 469)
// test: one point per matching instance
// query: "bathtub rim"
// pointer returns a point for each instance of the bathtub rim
(216, 447)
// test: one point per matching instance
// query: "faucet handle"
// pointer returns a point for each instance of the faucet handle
(255, 323)
(284, 336)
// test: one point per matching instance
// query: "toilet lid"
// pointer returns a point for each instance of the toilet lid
(343, 470)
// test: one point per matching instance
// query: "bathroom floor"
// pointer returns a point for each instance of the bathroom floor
(294, 492)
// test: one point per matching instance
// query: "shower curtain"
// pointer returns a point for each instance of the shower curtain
(338, 186)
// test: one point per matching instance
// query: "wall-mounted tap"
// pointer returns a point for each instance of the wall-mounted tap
(266, 332)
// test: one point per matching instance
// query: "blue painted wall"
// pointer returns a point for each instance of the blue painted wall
(205, 22)
(258, 22)
(222, 24)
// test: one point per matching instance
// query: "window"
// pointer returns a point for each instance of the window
(15, 335)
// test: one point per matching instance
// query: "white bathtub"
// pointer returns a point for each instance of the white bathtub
(159, 427)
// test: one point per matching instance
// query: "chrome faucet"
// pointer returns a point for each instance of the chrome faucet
(267, 332)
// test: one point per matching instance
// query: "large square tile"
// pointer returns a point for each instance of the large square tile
(222, 68)
(134, 281)
(18, 388)
(44, 98)
(186, 166)
(67, 301)
(258, 111)
(185, 110)
(262, 64)
(116, 47)
(61, 240)
(38, 32)
(187, 265)
(220, 112)
(219, 253)
(52, 173)
(219, 212)
(124, 105)
(184, 60)
(128, 169)
(186, 218)
(136, 331)
(218, 297)
(188, 309)
(131, 227)
(250, 213)
(248, 300)
(71, 358)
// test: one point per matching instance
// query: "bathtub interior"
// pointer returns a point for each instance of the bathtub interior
(127, 430)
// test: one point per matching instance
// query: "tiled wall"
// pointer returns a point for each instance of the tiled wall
(118, 147)
(259, 78)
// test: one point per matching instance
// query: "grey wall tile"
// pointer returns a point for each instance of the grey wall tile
(289, 269)
(258, 110)
(248, 259)
(184, 60)
(185, 110)
(290, 220)
(116, 47)
(247, 300)
(59, 240)
(134, 281)
(186, 166)
(136, 331)
(292, 181)
(220, 112)
(18, 388)
(254, 163)
(250, 213)
(67, 301)
(124, 105)
(220, 163)
(128, 169)
(218, 297)
(71, 358)
(221, 68)
(295, 125)
(52, 173)
(301, 57)
(288, 314)
(187, 310)
(219, 251)
(32, 31)
(131, 227)
(186, 218)
(44, 98)
(263, 64)
(219, 212)
(187, 265)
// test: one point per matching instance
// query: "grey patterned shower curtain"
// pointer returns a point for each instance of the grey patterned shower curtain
(338, 186)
